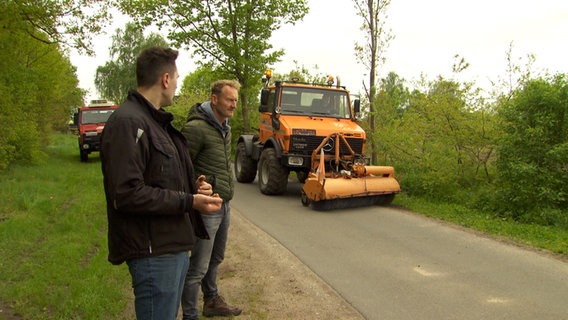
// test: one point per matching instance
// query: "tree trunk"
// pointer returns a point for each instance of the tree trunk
(245, 113)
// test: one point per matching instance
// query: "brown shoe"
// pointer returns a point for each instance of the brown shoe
(218, 307)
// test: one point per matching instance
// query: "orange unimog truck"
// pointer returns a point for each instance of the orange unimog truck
(311, 129)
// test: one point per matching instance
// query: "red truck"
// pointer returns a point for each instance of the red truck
(91, 121)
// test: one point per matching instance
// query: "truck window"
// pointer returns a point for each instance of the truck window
(315, 102)
(95, 116)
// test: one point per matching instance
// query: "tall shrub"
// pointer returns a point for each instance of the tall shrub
(533, 151)
(439, 139)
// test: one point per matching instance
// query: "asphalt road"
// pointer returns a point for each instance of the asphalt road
(393, 264)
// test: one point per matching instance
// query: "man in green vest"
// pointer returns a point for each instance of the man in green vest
(209, 135)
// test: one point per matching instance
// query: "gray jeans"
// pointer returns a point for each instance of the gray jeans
(206, 256)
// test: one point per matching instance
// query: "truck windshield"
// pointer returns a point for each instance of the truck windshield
(95, 116)
(328, 103)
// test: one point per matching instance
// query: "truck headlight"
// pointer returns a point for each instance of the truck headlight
(295, 161)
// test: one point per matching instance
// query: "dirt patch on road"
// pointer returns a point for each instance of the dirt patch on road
(269, 282)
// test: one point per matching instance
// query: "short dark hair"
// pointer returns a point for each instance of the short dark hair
(217, 86)
(152, 63)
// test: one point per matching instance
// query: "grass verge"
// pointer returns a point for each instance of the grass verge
(53, 240)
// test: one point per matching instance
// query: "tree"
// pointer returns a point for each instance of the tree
(439, 137)
(68, 23)
(391, 101)
(117, 76)
(533, 150)
(197, 85)
(372, 53)
(195, 88)
(304, 74)
(38, 89)
(232, 34)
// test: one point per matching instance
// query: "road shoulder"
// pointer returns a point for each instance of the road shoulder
(270, 282)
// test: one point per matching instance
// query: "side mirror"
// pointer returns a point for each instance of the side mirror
(264, 94)
(356, 106)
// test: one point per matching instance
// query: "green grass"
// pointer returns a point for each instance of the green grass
(53, 240)
(53, 244)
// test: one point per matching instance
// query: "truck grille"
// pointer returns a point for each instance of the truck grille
(94, 142)
(302, 144)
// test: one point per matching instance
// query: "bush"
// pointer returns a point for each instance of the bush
(533, 151)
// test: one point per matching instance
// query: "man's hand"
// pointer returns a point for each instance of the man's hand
(203, 187)
(207, 204)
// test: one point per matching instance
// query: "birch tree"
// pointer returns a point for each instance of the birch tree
(372, 54)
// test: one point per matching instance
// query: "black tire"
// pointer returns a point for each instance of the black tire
(302, 176)
(305, 200)
(272, 177)
(245, 167)
(84, 156)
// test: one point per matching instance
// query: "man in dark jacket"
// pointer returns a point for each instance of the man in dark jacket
(209, 136)
(153, 197)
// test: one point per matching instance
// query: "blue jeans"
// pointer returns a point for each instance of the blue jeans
(206, 256)
(158, 284)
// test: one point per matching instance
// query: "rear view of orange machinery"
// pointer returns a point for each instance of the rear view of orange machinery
(311, 129)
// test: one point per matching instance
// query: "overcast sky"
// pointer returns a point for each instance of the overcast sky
(428, 34)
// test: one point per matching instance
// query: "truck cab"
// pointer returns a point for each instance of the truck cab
(91, 121)
(295, 118)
